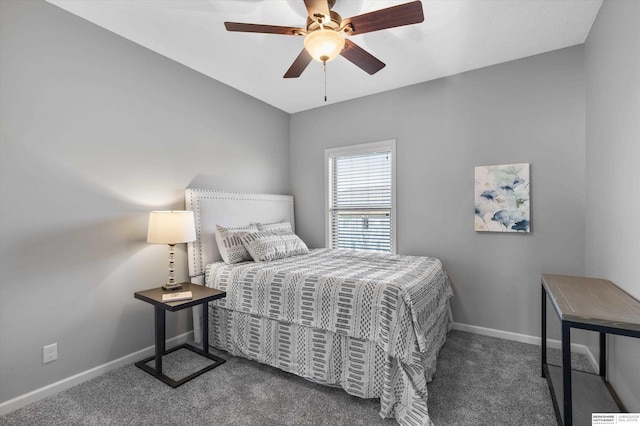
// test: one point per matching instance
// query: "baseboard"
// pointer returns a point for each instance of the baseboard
(38, 394)
(524, 338)
(53, 388)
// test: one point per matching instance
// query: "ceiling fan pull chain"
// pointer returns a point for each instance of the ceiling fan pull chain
(325, 80)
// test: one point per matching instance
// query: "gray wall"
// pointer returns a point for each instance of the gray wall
(530, 110)
(95, 133)
(612, 63)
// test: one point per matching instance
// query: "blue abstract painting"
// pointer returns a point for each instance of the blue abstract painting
(502, 198)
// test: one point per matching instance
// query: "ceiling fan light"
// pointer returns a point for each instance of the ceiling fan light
(324, 45)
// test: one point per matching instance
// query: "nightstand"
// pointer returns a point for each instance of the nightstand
(201, 296)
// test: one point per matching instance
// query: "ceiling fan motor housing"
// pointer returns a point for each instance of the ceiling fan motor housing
(334, 22)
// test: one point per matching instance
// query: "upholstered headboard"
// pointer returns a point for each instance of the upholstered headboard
(229, 209)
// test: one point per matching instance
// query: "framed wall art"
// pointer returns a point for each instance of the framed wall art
(502, 198)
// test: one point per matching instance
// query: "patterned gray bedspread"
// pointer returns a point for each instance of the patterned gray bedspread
(398, 302)
(389, 299)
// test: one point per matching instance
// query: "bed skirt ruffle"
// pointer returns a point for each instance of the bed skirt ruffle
(333, 359)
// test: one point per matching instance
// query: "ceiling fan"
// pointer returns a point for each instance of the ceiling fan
(323, 35)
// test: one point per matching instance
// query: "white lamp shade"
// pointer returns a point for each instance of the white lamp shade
(324, 45)
(171, 227)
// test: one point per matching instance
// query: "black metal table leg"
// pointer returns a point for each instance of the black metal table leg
(544, 329)
(160, 337)
(603, 355)
(205, 327)
(566, 374)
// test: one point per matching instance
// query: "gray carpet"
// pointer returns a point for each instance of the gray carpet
(479, 381)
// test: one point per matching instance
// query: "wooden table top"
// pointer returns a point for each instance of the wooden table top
(592, 301)
(201, 294)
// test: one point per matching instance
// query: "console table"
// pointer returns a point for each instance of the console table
(589, 304)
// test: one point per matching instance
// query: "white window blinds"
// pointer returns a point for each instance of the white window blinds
(360, 197)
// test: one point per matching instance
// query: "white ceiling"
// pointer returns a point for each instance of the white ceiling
(456, 36)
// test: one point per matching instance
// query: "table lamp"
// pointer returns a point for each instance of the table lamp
(171, 227)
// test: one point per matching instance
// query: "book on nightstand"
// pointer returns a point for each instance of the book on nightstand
(176, 297)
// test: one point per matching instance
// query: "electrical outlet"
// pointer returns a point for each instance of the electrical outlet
(49, 353)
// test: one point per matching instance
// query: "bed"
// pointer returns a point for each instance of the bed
(368, 322)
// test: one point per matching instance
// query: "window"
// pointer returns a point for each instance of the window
(360, 197)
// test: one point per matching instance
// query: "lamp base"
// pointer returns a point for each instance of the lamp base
(172, 286)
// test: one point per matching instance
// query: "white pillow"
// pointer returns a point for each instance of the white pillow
(277, 227)
(264, 246)
(230, 244)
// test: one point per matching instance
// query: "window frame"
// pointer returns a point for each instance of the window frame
(359, 149)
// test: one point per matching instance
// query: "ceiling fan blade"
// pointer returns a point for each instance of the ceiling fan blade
(395, 16)
(361, 57)
(299, 65)
(317, 7)
(264, 29)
